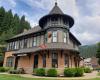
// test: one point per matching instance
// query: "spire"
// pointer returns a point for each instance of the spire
(56, 9)
(55, 2)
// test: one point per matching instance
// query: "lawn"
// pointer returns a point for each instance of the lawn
(15, 77)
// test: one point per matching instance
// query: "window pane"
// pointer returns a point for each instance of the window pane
(54, 60)
(54, 36)
(44, 60)
(65, 37)
(66, 60)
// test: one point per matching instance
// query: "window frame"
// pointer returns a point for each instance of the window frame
(54, 36)
(10, 61)
(54, 60)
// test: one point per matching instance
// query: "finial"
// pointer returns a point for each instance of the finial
(56, 2)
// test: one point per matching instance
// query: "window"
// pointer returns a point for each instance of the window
(44, 60)
(45, 38)
(38, 40)
(54, 36)
(25, 43)
(34, 41)
(54, 60)
(9, 62)
(66, 60)
(65, 37)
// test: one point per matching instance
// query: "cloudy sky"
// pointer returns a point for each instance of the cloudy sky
(86, 14)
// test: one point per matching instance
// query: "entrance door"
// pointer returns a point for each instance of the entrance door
(36, 61)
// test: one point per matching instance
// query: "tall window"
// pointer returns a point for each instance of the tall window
(65, 37)
(25, 43)
(66, 60)
(38, 40)
(54, 60)
(45, 38)
(54, 36)
(9, 62)
(34, 41)
(44, 60)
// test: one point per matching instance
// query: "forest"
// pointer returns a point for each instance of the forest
(10, 25)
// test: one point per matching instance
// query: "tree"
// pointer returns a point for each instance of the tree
(23, 24)
(98, 53)
(2, 14)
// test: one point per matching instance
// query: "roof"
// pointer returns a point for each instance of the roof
(56, 10)
(37, 29)
(48, 46)
(32, 30)
(88, 51)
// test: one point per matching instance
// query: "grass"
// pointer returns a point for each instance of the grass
(98, 73)
(16, 77)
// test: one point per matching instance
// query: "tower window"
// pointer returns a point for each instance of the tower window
(54, 36)
(65, 37)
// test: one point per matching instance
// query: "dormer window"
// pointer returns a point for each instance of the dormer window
(54, 36)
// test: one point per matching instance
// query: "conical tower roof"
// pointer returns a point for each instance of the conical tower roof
(56, 12)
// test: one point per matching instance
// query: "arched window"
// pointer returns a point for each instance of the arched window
(9, 61)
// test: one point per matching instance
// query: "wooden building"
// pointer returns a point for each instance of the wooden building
(49, 45)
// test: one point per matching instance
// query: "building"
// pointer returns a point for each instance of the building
(88, 52)
(49, 45)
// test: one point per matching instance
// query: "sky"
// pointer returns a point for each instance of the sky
(86, 14)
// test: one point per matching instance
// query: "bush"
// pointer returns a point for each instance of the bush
(40, 72)
(14, 72)
(69, 72)
(19, 71)
(4, 69)
(52, 73)
(87, 70)
(79, 72)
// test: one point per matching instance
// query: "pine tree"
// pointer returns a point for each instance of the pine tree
(2, 14)
(98, 53)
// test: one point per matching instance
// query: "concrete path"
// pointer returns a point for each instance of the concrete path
(86, 76)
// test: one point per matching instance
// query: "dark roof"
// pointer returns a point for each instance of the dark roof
(88, 51)
(48, 46)
(37, 29)
(56, 10)
(32, 30)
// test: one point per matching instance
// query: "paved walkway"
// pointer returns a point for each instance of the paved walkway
(86, 76)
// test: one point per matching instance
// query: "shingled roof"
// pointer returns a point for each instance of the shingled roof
(49, 46)
(56, 10)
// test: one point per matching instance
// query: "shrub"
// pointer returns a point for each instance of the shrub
(40, 72)
(79, 72)
(69, 72)
(87, 70)
(21, 71)
(52, 73)
(2, 69)
(13, 71)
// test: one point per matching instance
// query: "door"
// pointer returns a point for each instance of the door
(35, 61)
